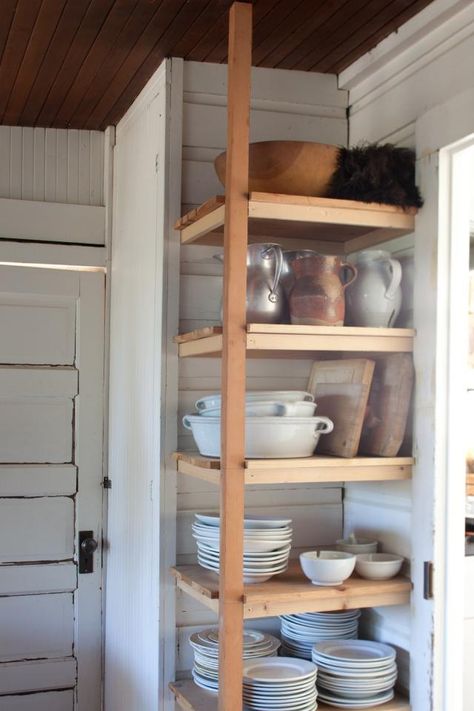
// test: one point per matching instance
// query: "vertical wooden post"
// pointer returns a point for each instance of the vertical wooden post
(233, 359)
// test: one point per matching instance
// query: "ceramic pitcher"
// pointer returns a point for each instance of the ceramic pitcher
(266, 302)
(375, 299)
(317, 288)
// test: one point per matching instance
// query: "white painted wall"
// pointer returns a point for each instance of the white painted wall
(285, 105)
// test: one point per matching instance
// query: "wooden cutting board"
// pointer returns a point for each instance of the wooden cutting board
(389, 405)
(341, 390)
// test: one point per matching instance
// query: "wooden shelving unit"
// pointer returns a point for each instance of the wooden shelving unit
(331, 226)
(314, 470)
(191, 698)
(292, 592)
(286, 340)
(328, 225)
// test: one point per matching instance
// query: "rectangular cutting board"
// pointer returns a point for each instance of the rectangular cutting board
(341, 390)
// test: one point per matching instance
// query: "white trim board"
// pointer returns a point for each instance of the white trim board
(51, 222)
(51, 255)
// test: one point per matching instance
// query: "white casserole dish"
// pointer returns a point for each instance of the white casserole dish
(257, 396)
(269, 408)
(265, 437)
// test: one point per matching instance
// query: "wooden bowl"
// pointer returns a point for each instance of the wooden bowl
(287, 167)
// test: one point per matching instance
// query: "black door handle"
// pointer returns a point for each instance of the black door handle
(87, 547)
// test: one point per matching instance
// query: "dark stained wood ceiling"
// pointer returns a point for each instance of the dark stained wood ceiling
(81, 63)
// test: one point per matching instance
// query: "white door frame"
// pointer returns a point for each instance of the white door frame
(441, 259)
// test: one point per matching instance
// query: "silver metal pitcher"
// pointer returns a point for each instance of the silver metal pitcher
(266, 302)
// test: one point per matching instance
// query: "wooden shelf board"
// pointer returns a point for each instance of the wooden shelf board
(191, 698)
(318, 469)
(292, 592)
(334, 226)
(290, 340)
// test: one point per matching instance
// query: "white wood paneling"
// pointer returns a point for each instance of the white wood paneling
(28, 579)
(52, 222)
(36, 529)
(38, 675)
(46, 630)
(38, 480)
(49, 164)
(52, 701)
(36, 430)
(38, 382)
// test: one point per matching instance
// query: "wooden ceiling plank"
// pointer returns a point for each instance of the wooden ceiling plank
(293, 32)
(15, 47)
(378, 36)
(362, 30)
(40, 39)
(53, 59)
(83, 39)
(262, 13)
(103, 62)
(192, 35)
(155, 44)
(325, 31)
(8, 13)
(211, 37)
(98, 53)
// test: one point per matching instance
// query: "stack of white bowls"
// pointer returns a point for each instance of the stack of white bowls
(301, 631)
(278, 424)
(267, 545)
(355, 674)
(206, 653)
(280, 684)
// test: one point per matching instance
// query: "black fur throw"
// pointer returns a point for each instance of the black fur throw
(372, 173)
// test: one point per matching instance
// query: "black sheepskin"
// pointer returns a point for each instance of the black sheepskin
(372, 173)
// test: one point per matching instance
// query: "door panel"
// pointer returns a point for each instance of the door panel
(55, 701)
(51, 433)
(36, 529)
(17, 677)
(46, 628)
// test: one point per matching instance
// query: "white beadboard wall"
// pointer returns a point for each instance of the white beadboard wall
(52, 165)
(285, 105)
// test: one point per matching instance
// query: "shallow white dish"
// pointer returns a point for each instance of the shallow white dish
(257, 396)
(348, 703)
(327, 567)
(378, 566)
(359, 545)
(270, 408)
(259, 522)
(354, 652)
(265, 437)
(278, 670)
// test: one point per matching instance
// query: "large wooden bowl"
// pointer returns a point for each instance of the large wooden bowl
(288, 167)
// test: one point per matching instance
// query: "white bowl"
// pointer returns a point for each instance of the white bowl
(378, 566)
(269, 408)
(257, 396)
(265, 437)
(327, 567)
(362, 545)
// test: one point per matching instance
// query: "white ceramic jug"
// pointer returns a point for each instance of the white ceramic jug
(375, 298)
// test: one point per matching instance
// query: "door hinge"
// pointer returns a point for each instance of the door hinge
(107, 483)
(428, 570)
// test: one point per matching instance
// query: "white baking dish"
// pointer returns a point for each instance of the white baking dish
(257, 396)
(269, 408)
(265, 437)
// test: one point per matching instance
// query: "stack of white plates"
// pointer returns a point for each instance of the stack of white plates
(267, 545)
(206, 653)
(355, 674)
(300, 632)
(280, 684)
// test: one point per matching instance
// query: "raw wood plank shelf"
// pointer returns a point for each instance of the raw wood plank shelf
(329, 225)
(283, 339)
(292, 592)
(191, 698)
(317, 469)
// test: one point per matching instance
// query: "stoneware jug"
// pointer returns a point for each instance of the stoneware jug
(266, 302)
(317, 293)
(375, 299)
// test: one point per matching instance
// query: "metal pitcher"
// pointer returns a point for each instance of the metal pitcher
(266, 301)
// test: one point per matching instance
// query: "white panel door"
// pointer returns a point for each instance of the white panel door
(51, 423)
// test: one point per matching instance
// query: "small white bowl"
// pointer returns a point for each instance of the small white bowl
(327, 567)
(361, 545)
(378, 566)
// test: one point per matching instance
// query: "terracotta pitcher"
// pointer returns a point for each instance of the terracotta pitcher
(317, 294)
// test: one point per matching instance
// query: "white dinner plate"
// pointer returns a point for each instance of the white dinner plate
(210, 519)
(355, 651)
(368, 702)
(278, 670)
